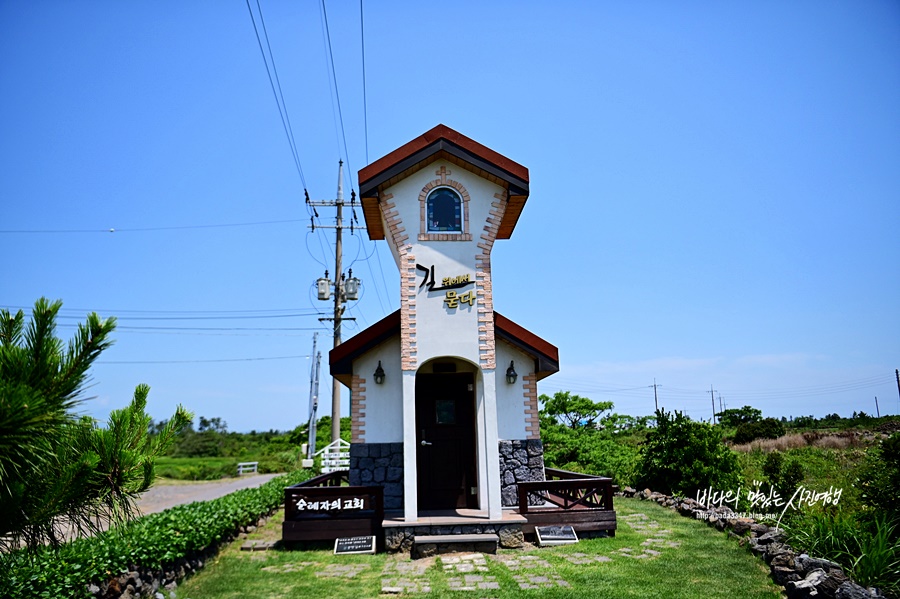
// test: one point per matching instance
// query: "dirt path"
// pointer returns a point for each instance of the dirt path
(162, 496)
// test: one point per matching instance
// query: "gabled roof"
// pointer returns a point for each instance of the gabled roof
(443, 142)
(340, 359)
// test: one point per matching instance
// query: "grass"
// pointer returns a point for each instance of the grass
(822, 467)
(790, 441)
(194, 469)
(691, 560)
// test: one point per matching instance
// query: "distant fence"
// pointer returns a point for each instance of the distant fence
(248, 468)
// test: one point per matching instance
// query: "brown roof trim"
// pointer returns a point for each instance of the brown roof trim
(442, 142)
(441, 132)
(546, 355)
(340, 359)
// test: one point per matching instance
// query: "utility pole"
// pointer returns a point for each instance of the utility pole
(313, 399)
(897, 374)
(712, 396)
(345, 288)
(655, 396)
(877, 411)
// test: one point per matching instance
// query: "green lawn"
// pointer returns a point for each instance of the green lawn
(656, 553)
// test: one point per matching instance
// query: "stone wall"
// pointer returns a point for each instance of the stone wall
(520, 461)
(800, 575)
(379, 464)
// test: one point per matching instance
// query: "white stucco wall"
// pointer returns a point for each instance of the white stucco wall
(441, 330)
(511, 398)
(383, 419)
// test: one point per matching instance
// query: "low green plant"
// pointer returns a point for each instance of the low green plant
(153, 541)
(868, 551)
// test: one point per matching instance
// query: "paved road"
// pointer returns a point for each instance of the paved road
(162, 497)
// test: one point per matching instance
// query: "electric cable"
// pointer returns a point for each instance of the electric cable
(282, 110)
(362, 35)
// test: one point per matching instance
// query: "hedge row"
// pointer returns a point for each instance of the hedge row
(154, 541)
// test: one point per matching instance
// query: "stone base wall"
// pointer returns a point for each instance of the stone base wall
(400, 539)
(520, 461)
(379, 465)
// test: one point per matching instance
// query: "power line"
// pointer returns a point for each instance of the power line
(147, 229)
(362, 35)
(131, 315)
(201, 361)
(337, 93)
(282, 107)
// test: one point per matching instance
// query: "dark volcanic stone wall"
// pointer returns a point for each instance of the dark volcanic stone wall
(520, 461)
(379, 464)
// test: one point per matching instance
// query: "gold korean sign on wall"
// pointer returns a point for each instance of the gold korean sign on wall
(450, 285)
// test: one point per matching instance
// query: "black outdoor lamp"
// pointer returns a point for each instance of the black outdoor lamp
(511, 374)
(379, 374)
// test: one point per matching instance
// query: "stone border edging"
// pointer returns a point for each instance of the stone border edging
(799, 574)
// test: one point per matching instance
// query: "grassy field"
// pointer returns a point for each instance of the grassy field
(193, 469)
(656, 553)
(823, 467)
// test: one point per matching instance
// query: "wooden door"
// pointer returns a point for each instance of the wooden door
(445, 431)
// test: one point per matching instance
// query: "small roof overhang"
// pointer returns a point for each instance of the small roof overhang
(443, 142)
(341, 358)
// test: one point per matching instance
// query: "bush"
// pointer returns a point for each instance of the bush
(879, 478)
(681, 456)
(784, 479)
(768, 428)
(154, 541)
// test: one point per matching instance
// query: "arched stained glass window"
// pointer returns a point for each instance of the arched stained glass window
(444, 211)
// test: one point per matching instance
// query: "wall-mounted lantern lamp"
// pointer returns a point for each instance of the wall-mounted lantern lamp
(511, 374)
(379, 374)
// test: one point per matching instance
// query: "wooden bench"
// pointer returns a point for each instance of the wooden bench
(427, 545)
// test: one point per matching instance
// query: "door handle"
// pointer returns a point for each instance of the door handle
(425, 443)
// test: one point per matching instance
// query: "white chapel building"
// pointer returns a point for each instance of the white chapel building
(443, 392)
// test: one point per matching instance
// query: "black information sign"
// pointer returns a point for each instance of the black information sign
(348, 545)
(555, 535)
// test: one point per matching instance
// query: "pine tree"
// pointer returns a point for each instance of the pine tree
(59, 472)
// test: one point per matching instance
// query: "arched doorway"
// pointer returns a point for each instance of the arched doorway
(445, 435)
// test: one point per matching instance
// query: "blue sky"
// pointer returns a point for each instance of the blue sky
(715, 189)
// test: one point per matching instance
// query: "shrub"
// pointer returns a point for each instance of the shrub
(682, 456)
(153, 541)
(768, 428)
(879, 478)
(589, 451)
(784, 478)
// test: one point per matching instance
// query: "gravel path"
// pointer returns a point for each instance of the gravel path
(162, 497)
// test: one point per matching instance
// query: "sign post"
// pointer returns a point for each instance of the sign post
(351, 545)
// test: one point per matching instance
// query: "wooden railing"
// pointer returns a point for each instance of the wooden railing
(329, 479)
(582, 500)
